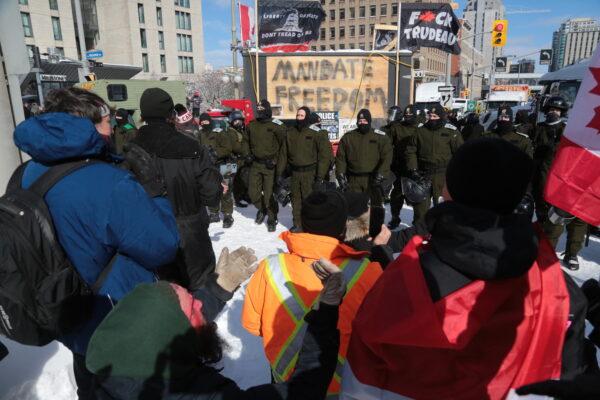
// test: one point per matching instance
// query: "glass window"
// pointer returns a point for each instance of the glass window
(342, 46)
(56, 28)
(141, 17)
(352, 31)
(161, 40)
(394, 9)
(361, 30)
(352, 45)
(183, 3)
(342, 14)
(332, 15)
(322, 34)
(332, 46)
(30, 50)
(143, 38)
(313, 48)
(331, 33)
(352, 12)
(323, 47)
(24, 2)
(159, 19)
(117, 92)
(186, 65)
(361, 46)
(53, 4)
(361, 12)
(163, 63)
(383, 10)
(342, 32)
(60, 51)
(373, 11)
(145, 66)
(372, 29)
(26, 21)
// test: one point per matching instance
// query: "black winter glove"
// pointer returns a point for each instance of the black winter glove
(342, 182)
(526, 206)
(583, 387)
(144, 167)
(414, 175)
(319, 185)
(378, 180)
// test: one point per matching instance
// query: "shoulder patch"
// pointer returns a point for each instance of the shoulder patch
(522, 134)
(450, 126)
(420, 125)
(217, 130)
(377, 131)
(276, 121)
(314, 128)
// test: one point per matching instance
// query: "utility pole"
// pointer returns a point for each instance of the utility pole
(234, 46)
(82, 49)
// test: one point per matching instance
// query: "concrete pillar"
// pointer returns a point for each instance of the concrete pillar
(9, 154)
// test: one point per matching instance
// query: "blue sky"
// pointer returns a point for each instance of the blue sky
(527, 32)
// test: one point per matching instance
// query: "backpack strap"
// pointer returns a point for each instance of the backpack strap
(56, 173)
(17, 177)
(103, 275)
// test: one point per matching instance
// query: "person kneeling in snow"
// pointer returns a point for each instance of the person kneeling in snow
(479, 308)
(159, 342)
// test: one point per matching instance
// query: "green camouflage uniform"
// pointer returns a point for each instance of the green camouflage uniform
(519, 139)
(362, 156)
(265, 139)
(221, 145)
(307, 154)
(429, 152)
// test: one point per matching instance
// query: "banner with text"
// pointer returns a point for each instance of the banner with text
(330, 121)
(286, 25)
(297, 81)
(429, 25)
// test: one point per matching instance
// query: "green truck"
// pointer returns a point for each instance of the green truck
(127, 93)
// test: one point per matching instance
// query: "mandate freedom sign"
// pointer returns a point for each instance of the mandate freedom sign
(328, 83)
(429, 25)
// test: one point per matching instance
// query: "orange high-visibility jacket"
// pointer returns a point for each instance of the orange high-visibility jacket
(284, 288)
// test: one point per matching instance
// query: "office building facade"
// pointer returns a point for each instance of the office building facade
(574, 41)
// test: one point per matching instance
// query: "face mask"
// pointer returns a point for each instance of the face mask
(409, 119)
(552, 117)
(301, 123)
(364, 128)
(505, 127)
(434, 124)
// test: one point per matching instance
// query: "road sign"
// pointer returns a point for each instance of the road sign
(446, 100)
(545, 56)
(471, 105)
(94, 54)
(53, 78)
(445, 89)
(419, 73)
(501, 63)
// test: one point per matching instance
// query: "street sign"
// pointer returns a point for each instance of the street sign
(444, 89)
(545, 56)
(471, 105)
(446, 100)
(94, 54)
(53, 78)
(419, 73)
(501, 63)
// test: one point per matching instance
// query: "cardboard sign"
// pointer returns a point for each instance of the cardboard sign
(330, 121)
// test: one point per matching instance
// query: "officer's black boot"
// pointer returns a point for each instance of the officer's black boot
(295, 229)
(271, 225)
(214, 218)
(227, 221)
(394, 223)
(241, 204)
(570, 262)
(260, 217)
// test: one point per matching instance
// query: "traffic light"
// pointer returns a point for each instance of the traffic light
(499, 30)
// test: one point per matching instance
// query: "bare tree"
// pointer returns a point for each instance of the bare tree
(212, 88)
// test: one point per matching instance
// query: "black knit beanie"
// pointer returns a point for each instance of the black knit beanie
(358, 204)
(489, 173)
(156, 103)
(324, 213)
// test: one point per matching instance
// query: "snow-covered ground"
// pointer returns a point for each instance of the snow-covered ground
(31, 373)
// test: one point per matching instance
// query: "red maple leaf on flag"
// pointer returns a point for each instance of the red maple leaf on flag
(595, 122)
(427, 16)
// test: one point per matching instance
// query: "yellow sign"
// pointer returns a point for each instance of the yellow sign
(328, 83)
(499, 32)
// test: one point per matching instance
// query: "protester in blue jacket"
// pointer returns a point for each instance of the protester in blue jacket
(99, 211)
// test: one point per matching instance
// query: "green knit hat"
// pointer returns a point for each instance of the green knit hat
(147, 334)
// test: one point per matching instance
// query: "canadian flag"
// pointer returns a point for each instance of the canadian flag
(573, 183)
(247, 25)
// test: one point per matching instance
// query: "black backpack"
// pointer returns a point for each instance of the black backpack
(42, 296)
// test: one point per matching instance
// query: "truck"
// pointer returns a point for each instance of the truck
(127, 93)
(428, 95)
(511, 95)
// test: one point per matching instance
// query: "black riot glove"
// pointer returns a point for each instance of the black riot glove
(378, 180)
(342, 182)
(414, 175)
(526, 206)
(583, 387)
(319, 185)
(144, 167)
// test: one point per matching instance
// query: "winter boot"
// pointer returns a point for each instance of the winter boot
(570, 262)
(241, 204)
(295, 229)
(394, 223)
(260, 217)
(271, 225)
(214, 218)
(227, 221)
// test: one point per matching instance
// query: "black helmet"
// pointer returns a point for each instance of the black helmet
(394, 114)
(557, 102)
(416, 191)
(235, 115)
(505, 110)
(410, 109)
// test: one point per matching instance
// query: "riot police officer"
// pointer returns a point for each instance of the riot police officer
(221, 150)
(523, 125)
(399, 130)
(124, 130)
(428, 153)
(505, 129)
(363, 159)
(307, 153)
(265, 138)
(237, 131)
(548, 134)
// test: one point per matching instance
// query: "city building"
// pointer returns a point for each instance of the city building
(466, 73)
(164, 38)
(524, 66)
(480, 14)
(350, 24)
(574, 41)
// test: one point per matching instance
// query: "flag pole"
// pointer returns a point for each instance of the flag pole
(256, 27)
(398, 53)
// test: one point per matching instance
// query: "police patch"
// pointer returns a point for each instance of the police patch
(377, 131)
(450, 126)
(278, 122)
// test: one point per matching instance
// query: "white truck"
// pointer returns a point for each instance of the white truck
(428, 95)
(510, 95)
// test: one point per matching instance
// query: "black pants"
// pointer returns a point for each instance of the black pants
(83, 378)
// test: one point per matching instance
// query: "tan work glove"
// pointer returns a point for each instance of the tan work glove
(235, 267)
(334, 284)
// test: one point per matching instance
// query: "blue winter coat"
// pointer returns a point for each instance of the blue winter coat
(98, 211)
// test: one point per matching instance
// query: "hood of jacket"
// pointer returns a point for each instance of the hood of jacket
(314, 247)
(162, 139)
(481, 244)
(52, 137)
